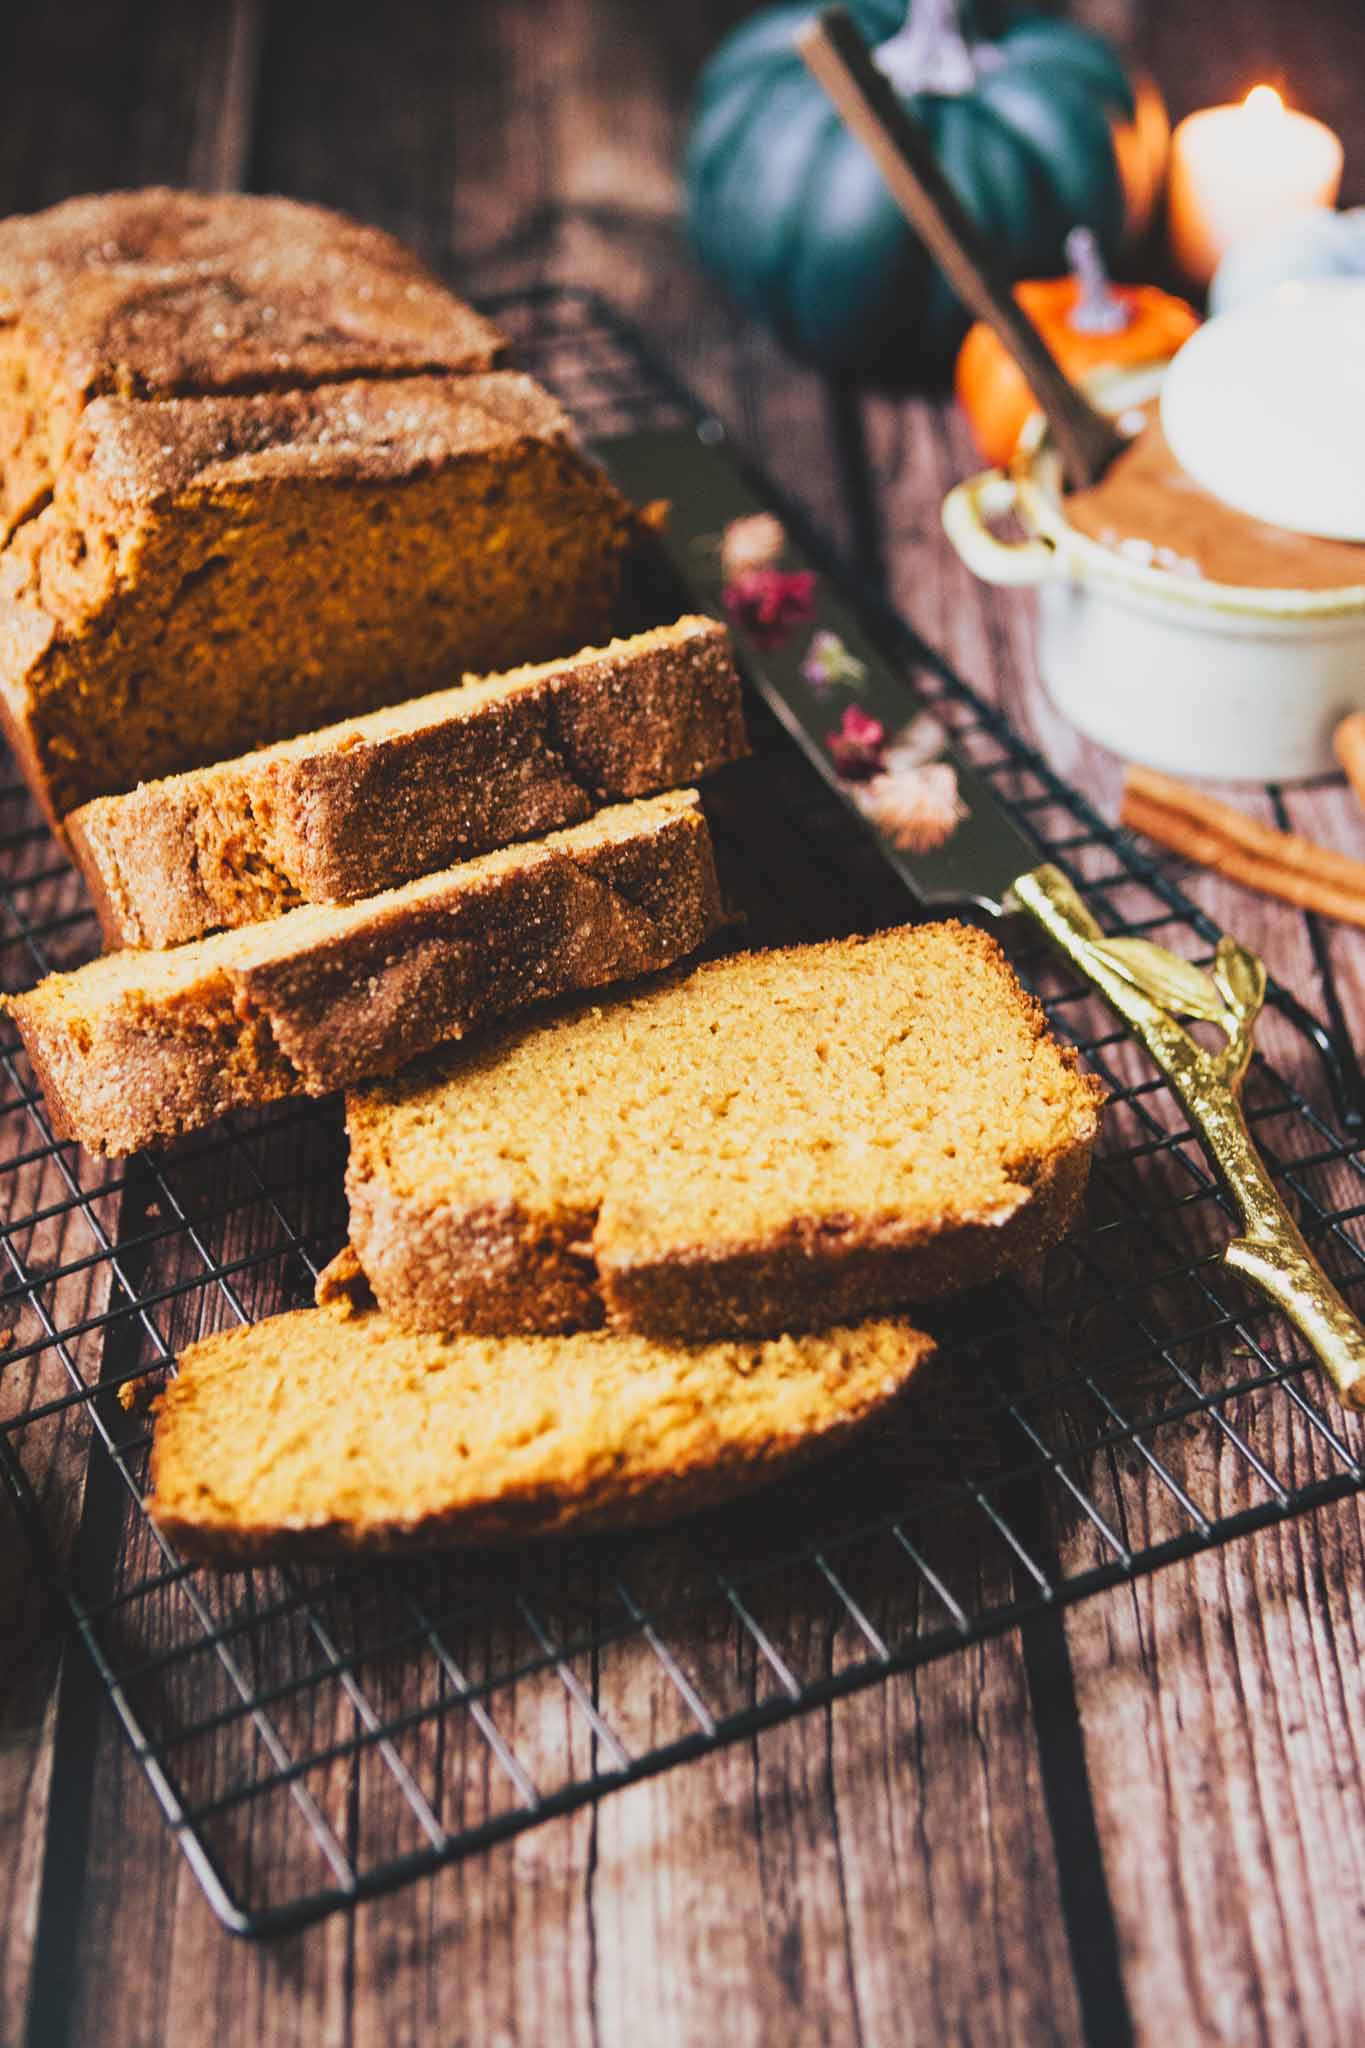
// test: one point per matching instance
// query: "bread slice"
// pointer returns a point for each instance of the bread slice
(316, 1432)
(138, 1047)
(773, 1141)
(213, 574)
(162, 294)
(369, 803)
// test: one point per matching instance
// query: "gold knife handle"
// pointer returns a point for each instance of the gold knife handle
(1152, 988)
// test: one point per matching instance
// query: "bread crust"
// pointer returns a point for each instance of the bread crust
(171, 520)
(812, 1273)
(132, 455)
(498, 1268)
(163, 294)
(318, 998)
(493, 1270)
(157, 292)
(497, 1271)
(370, 803)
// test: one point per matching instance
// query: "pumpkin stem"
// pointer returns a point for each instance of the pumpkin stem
(1098, 308)
(928, 52)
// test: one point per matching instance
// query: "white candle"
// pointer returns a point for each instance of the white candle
(1239, 170)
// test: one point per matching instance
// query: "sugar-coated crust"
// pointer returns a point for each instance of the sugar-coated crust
(130, 453)
(499, 1269)
(319, 999)
(813, 1274)
(158, 292)
(493, 1270)
(707, 1427)
(369, 803)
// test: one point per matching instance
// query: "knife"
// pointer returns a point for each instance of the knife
(987, 862)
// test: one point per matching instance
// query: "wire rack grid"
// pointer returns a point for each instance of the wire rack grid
(314, 1737)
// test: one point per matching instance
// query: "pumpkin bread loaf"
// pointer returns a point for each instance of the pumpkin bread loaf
(213, 574)
(770, 1142)
(372, 802)
(319, 1432)
(161, 294)
(137, 1047)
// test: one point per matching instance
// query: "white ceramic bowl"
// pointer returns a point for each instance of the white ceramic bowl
(1173, 671)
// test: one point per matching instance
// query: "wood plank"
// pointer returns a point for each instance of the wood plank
(116, 95)
(372, 119)
(1220, 1700)
(110, 95)
(1222, 1709)
(224, 119)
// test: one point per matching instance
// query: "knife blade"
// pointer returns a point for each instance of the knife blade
(987, 861)
(707, 491)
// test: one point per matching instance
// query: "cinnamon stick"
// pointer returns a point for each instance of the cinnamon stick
(1348, 742)
(1216, 836)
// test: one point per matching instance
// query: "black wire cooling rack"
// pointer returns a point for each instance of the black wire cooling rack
(317, 1736)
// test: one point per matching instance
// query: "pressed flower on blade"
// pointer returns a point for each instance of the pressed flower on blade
(829, 663)
(755, 542)
(769, 602)
(916, 805)
(856, 744)
(921, 739)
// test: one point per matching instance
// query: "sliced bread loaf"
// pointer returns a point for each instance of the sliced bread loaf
(213, 574)
(372, 802)
(162, 294)
(319, 1432)
(773, 1141)
(138, 1047)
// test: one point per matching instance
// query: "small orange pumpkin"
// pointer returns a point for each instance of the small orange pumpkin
(1088, 323)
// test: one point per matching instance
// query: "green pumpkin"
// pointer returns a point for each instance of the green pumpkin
(1038, 129)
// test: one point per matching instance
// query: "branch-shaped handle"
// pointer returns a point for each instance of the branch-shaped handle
(1153, 989)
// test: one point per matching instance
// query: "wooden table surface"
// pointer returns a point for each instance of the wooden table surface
(1144, 1821)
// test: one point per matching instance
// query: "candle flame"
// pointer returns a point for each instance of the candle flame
(1262, 100)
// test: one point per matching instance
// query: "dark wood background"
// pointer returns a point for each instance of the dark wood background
(1147, 1823)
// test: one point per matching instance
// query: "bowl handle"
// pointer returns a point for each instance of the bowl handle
(968, 510)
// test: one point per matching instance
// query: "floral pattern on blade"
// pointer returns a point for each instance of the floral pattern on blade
(754, 542)
(770, 602)
(918, 809)
(856, 744)
(828, 664)
(901, 787)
